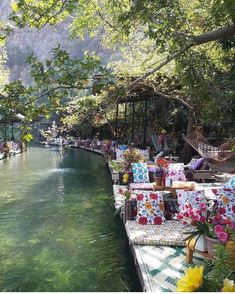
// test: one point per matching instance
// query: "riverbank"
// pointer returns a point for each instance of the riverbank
(158, 267)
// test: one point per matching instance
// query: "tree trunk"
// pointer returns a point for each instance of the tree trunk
(187, 152)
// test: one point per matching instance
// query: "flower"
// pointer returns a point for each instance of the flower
(148, 205)
(228, 286)
(125, 178)
(223, 236)
(191, 281)
(131, 155)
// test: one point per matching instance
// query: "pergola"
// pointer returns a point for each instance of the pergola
(144, 95)
(17, 118)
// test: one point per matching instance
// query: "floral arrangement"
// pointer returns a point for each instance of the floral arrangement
(222, 228)
(131, 155)
(197, 218)
(213, 276)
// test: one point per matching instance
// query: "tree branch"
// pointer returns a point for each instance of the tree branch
(195, 41)
(214, 35)
(54, 89)
(152, 71)
(169, 97)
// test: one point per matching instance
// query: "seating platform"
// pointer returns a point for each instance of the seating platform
(160, 267)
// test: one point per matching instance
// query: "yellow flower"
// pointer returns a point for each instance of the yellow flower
(191, 281)
(228, 286)
(125, 178)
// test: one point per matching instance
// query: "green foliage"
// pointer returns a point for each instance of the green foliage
(217, 270)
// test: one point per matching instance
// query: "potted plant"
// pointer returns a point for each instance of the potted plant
(131, 155)
(197, 227)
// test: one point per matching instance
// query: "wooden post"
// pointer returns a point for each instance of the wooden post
(125, 122)
(116, 131)
(145, 121)
(133, 121)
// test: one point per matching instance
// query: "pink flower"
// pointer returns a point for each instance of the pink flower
(202, 219)
(223, 236)
(218, 229)
(179, 216)
(222, 210)
(196, 217)
(202, 205)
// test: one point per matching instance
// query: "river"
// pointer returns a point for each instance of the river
(58, 230)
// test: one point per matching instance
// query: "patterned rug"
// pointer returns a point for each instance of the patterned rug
(163, 266)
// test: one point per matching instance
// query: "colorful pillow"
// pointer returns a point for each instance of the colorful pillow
(192, 198)
(150, 208)
(176, 172)
(119, 154)
(226, 203)
(140, 172)
(171, 208)
(230, 184)
(130, 209)
(198, 163)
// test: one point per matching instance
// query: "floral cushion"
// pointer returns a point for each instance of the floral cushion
(150, 208)
(171, 208)
(119, 154)
(176, 172)
(193, 198)
(140, 172)
(226, 203)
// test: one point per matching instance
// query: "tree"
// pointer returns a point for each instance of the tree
(198, 36)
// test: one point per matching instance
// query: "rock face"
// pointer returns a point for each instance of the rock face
(25, 41)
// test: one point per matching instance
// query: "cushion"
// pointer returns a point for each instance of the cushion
(187, 185)
(141, 186)
(226, 203)
(169, 234)
(230, 184)
(171, 208)
(176, 172)
(140, 172)
(150, 208)
(198, 163)
(193, 198)
(119, 154)
(130, 210)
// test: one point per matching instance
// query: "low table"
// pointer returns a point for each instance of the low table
(190, 249)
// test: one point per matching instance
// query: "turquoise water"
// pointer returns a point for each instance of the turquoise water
(58, 231)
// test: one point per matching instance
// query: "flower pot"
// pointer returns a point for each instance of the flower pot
(211, 245)
(158, 181)
(201, 243)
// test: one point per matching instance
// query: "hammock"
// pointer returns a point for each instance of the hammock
(206, 150)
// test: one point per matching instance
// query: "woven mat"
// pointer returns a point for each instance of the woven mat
(163, 266)
(168, 234)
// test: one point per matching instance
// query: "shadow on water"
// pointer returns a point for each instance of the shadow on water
(57, 229)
